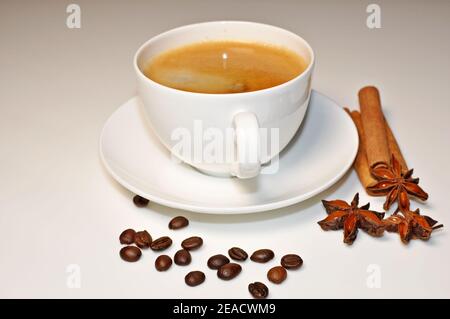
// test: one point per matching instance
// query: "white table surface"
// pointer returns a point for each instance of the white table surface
(59, 207)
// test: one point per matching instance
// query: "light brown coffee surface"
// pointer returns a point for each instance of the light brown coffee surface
(225, 67)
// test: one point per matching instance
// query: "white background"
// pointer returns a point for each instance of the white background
(58, 206)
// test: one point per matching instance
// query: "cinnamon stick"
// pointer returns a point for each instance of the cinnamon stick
(373, 123)
(395, 148)
(361, 165)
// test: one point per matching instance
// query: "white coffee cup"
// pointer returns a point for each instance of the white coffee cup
(280, 107)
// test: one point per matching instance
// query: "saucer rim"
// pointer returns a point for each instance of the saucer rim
(229, 210)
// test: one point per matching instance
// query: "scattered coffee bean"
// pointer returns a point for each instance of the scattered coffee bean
(194, 278)
(182, 257)
(258, 290)
(237, 253)
(161, 243)
(140, 201)
(262, 255)
(127, 236)
(277, 274)
(143, 239)
(229, 271)
(291, 261)
(217, 261)
(130, 253)
(192, 243)
(178, 222)
(163, 262)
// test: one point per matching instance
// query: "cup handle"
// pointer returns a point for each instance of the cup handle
(248, 145)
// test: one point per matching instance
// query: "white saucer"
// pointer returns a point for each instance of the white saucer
(322, 151)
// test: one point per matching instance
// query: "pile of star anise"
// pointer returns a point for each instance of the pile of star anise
(397, 187)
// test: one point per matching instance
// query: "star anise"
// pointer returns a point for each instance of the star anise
(411, 225)
(396, 185)
(350, 217)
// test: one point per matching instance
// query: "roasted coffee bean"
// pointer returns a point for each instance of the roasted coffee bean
(229, 271)
(217, 261)
(291, 261)
(258, 290)
(140, 201)
(237, 253)
(161, 243)
(194, 278)
(163, 262)
(142, 239)
(277, 274)
(178, 222)
(130, 253)
(262, 255)
(192, 243)
(182, 257)
(127, 236)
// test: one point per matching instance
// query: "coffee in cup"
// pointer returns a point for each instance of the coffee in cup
(222, 67)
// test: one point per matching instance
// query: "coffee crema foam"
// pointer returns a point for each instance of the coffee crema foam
(225, 67)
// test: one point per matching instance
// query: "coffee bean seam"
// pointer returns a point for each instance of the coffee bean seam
(192, 243)
(238, 254)
(178, 222)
